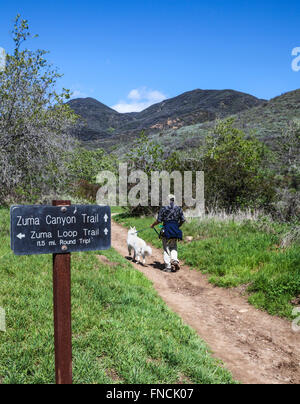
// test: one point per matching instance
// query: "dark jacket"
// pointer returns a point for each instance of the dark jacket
(172, 230)
(172, 217)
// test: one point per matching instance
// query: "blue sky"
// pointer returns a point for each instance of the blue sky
(129, 54)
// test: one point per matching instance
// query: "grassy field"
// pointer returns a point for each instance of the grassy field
(122, 331)
(235, 254)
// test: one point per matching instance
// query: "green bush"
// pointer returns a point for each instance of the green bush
(235, 171)
(83, 167)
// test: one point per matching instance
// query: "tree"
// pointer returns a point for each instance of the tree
(235, 173)
(83, 167)
(287, 206)
(86, 164)
(35, 123)
(289, 154)
(147, 156)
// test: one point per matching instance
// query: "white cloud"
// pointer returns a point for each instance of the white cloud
(79, 91)
(78, 94)
(139, 99)
(134, 94)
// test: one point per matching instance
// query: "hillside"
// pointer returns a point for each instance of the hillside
(183, 122)
(270, 119)
(105, 127)
(266, 121)
(193, 107)
(99, 120)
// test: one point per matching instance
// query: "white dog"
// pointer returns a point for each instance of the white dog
(139, 246)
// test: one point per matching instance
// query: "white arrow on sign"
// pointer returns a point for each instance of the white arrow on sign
(105, 217)
(105, 231)
(21, 235)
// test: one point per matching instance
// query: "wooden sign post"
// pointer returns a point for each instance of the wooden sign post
(60, 229)
(62, 313)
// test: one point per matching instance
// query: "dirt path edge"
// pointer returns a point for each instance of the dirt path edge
(254, 346)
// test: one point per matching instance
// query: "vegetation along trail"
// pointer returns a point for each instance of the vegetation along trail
(254, 346)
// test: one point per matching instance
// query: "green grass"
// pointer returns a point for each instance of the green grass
(122, 331)
(116, 209)
(236, 254)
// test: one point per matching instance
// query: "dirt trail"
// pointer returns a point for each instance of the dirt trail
(254, 346)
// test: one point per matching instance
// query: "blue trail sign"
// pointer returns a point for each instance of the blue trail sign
(59, 229)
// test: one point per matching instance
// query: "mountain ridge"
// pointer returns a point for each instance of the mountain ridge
(106, 127)
(267, 122)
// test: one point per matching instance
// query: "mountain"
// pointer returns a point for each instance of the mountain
(266, 121)
(98, 119)
(197, 106)
(270, 119)
(105, 127)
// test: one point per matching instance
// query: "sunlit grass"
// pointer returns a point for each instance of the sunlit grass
(122, 331)
(239, 252)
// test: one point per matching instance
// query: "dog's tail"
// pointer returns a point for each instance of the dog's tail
(148, 250)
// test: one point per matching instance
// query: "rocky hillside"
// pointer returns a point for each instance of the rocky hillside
(267, 121)
(270, 119)
(104, 127)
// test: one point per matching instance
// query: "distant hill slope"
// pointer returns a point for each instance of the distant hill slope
(266, 121)
(107, 128)
(271, 118)
(98, 118)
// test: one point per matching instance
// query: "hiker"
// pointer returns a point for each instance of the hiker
(172, 218)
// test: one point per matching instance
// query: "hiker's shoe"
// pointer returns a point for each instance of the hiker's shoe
(167, 269)
(176, 265)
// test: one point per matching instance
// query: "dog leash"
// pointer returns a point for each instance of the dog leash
(146, 228)
(156, 232)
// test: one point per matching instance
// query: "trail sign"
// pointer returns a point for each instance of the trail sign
(59, 229)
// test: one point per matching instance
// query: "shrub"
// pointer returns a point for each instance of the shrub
(291, 237)
(35, 123)
(235, 171)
